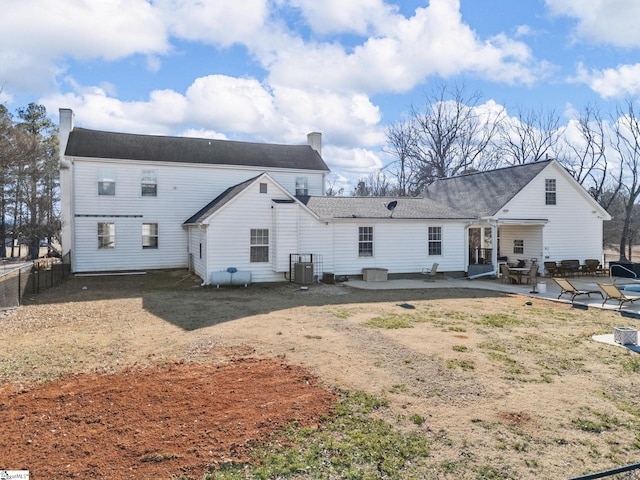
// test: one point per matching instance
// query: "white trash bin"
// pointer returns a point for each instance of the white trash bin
(542, 287)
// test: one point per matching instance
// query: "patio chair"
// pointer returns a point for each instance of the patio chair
(567, 287)
(430, 272)
(506, 275)
(552, 269)
(570, 268)
(590, 266)
(614, 293)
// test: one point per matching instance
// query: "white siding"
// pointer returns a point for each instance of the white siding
(399, 246)
(285, 234)
(574, 228)
(182, 191)
(229, 232)
(530, 235)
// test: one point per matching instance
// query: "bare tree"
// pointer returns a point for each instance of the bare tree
(374, 185)
(626, 143)
(529, 137)
(587, 160)
(401, 140)
(452, 134)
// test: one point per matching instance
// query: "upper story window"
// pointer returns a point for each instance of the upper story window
(365, 241)
(434, 240)
(302, 186)
(106, 235)
(259, 245)
(149, 235)
(149, 183)
(550, 191)
(106, 181)
(263, 188)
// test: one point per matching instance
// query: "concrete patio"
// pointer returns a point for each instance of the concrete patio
(552, 289)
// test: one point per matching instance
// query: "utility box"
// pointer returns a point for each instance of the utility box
(303, 273)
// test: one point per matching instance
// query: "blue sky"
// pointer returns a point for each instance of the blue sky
(275, 70)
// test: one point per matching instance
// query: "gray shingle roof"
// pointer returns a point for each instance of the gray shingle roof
(376, 207)
(218, 202)
(484, 193)
(98, 144)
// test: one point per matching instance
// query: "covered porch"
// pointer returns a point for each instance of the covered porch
(491, 243)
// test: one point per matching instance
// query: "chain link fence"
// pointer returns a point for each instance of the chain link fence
(29, 278)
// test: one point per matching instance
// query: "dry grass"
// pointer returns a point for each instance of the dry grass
(500, 389)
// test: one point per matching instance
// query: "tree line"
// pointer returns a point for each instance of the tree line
(29, 180)
(453, 133)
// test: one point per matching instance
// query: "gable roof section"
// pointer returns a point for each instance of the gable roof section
(376, 208)
(484, 193)
(220, 201)
(125, 146)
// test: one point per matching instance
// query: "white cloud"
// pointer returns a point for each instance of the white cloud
(611, 82)
(221, 22)
(613, 22)
(434, 41)
(38, 35)
(338, 16)
(243, 107)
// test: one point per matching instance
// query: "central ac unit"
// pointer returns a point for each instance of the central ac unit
(303, 273)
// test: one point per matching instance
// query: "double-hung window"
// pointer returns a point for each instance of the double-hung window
(550, 191)
(149, 235)
(518, 246)
(302, 186)
(106, 181)
(259, 245)
(434, 240)
(149, 183)
(365, 241)
(106, 235)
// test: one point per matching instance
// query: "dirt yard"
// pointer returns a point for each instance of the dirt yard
(153, 376)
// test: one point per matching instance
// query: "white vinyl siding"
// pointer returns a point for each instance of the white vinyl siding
(183, 189)
(399, 247)
(285, 235)
(572, 228)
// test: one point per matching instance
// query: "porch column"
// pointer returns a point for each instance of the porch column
(494, 247)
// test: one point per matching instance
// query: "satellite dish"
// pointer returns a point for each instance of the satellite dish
(391, 206)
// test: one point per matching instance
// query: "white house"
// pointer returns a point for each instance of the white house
(137, 202)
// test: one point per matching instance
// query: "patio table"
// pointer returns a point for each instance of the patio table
(519, 271)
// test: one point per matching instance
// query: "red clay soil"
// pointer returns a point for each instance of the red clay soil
(154, 422)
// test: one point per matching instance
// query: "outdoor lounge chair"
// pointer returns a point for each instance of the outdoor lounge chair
(614, 293)
(567, 287)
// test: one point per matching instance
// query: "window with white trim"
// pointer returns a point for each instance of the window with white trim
(149, 183)
(302, 186)
(365, 241)
(259, 245)
(149, 235)
(106, 181)
(550, 191)
(106, 235)
(518, 246)
(434, 240)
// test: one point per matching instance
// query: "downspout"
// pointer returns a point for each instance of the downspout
(494, 246)
(206, 263)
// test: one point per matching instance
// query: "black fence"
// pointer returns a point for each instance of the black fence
(628, 472)
(19, 280)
